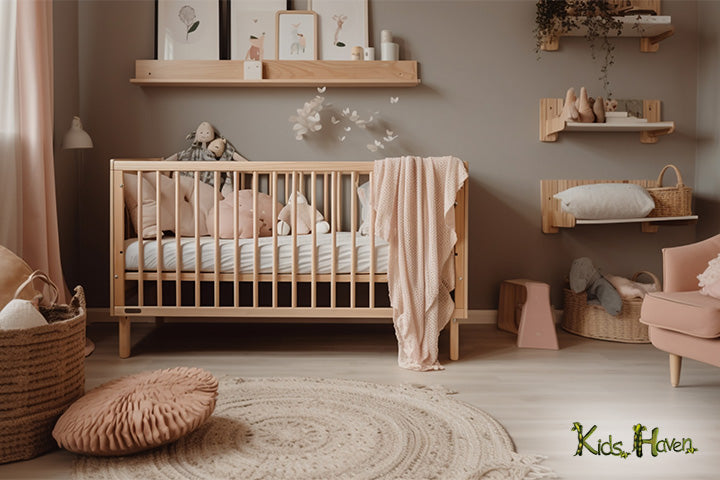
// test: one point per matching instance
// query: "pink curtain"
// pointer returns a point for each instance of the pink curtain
(40, 246)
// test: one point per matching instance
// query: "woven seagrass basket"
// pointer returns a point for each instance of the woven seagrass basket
(42, 372)
(673, 201)
(593, 321)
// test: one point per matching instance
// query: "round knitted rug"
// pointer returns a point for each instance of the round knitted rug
(306, 428)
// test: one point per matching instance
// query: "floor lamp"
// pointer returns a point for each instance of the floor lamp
(78, 139)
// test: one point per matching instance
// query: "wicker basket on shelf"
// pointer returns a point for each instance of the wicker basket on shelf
(671, 201)
(594, 321)
(42, 372)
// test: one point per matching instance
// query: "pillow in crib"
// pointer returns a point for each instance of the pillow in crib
(364, 196)
(138, 412)
(148, 225)
(606, 200)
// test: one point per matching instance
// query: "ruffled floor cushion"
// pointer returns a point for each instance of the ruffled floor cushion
(138, 412)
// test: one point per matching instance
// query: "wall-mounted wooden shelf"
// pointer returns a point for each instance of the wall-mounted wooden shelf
(276, 73)
(551, 124)
(652, 29)
(554, 217)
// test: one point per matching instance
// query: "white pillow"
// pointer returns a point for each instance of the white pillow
(20, 314)
(606, 200)
(710, 276)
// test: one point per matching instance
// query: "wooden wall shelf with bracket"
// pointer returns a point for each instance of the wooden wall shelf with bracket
(551, 124)
(276, 73)
(554, 217)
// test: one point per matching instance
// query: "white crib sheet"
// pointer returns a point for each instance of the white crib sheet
(304, 256)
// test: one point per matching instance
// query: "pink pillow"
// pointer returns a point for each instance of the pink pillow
(167, 204)
(138, 412)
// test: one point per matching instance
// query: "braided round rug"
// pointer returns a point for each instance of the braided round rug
(309, 428)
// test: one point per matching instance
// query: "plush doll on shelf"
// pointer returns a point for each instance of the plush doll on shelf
(208, 146)
(308, 218)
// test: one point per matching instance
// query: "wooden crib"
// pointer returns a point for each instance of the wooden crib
(333, 276)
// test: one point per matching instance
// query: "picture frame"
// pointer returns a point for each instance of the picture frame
(253, 28)
(188, 29)
(296, 35)
(342, 25)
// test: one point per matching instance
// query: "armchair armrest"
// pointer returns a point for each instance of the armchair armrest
(682, 265)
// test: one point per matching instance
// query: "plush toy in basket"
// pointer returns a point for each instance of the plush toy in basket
(42, 361)
(605, 307)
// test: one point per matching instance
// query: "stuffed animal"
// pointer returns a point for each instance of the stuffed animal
(569, 111)
(208, 146)
(585, 111)
(264, 220)
(307, 217)
(584, 277)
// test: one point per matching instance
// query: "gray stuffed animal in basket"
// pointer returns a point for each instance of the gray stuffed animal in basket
(584, 277)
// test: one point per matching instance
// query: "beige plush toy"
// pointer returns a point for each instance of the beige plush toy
(217, 147)
(569, 111)
(245, 225)
(307, 217)
(599, 110)
(585, 111)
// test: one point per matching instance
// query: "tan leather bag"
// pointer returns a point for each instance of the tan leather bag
(13, 273)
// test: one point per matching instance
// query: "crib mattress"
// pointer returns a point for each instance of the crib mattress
(246, 255)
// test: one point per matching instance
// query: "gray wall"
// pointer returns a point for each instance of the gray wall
(481, 82)
(707, 173)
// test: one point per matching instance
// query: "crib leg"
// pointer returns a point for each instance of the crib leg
(454, 339)
(124, 336)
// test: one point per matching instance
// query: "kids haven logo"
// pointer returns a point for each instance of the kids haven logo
(606, 446)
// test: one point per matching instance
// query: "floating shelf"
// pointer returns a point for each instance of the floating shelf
(652, 29)
(276, 73)
(551, 124)
(554, 217)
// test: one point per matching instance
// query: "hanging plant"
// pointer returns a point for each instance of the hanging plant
(557, 17)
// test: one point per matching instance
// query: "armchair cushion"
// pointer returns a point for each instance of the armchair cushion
(686, 312)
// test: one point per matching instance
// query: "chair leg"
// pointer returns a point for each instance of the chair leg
(675, 364)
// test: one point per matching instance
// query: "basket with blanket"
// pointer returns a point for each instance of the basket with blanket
(42, 359)
(606, 307)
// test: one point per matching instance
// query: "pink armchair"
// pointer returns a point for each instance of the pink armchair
(681, 320)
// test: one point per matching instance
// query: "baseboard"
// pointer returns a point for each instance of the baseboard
(483, 316)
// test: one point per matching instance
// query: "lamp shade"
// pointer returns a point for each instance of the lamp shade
(76, 137)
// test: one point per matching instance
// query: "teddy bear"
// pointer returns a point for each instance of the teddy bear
(308, 218)
(246, 219)
(208, 146)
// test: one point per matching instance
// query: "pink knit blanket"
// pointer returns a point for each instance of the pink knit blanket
(414, 199)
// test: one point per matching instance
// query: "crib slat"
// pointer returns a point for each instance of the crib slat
(236, 249)
(141, 240)
(273, 188)
(293, 287)
(353, 229)
(178, 248)
(196, 214)
(158, 238)
(256, 250)
(326, 200)
(371, 233)
(333, 223)
(338, 203)
(216, 238)
(313, 254)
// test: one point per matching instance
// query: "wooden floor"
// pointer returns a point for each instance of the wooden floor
(535, 394)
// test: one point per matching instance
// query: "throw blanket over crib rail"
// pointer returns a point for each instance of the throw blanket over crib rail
(180, 247)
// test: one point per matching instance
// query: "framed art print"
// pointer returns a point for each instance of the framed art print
(296, 35)
(187, 29)
(342, 25)
(252, 28)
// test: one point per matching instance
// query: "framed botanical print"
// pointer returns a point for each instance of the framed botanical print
(342, 24)
(296, 35)
(187, 29)
(252, 28)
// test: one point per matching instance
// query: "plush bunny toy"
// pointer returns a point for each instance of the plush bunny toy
(307, 217)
